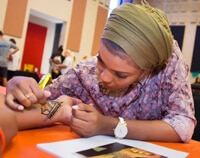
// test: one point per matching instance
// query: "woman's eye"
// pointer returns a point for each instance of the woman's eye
(121, 76)
(100, 61)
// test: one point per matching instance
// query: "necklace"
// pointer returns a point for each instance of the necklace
(105, 91)
(111, 93)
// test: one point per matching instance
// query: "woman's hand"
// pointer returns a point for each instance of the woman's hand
(23, 92)
(52, 112)
(64, 112)
(87, 121)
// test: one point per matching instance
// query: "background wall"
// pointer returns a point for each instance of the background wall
(180, 13)
(48, 42)
(34, 46)
(51, 12)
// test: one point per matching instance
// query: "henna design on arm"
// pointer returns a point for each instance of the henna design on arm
(50, 108)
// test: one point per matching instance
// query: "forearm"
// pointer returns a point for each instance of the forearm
(155, 130)
(143, 130)
(15, 50)
(40, 115)
(8, 124)
(35, 116)
(32, 118)
(9, 132)
(61, 66)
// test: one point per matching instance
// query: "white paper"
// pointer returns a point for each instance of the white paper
(68, 148)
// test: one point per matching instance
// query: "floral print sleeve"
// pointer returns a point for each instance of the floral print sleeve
(180, 109)
(72, 84)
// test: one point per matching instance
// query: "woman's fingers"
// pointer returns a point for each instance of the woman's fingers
(24, 91)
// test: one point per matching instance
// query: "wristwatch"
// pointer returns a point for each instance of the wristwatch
(121, 129)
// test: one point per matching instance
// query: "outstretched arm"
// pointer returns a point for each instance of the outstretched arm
(38, 115)
(87, 121)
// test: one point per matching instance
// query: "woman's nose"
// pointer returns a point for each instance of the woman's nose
(106, 76)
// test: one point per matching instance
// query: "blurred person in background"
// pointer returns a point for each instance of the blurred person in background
(67, 63)
(13, 63)
(197, 80)
(5, 56)
(56, 58)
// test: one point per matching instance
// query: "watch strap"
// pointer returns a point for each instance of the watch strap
(121, 129)
(121, 120)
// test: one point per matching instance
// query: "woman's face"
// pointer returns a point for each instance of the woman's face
(114, 72)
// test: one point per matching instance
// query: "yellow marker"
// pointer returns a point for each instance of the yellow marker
(46, 79)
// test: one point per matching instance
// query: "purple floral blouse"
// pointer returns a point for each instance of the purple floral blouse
(166, 96)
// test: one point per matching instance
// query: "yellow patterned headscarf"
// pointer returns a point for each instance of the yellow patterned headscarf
(143, 32)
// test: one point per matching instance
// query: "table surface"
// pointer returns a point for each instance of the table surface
(24, 143)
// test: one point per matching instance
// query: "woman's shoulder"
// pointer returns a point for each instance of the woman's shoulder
(177, 68)
(87, 64)
(177, 55)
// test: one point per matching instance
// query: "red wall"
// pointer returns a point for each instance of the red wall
(34, 45)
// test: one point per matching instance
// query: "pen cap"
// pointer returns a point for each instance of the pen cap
(46, 79)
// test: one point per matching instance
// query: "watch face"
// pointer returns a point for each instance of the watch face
(120, 131)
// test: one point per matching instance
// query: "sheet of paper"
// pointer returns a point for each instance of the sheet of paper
(69, 148)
